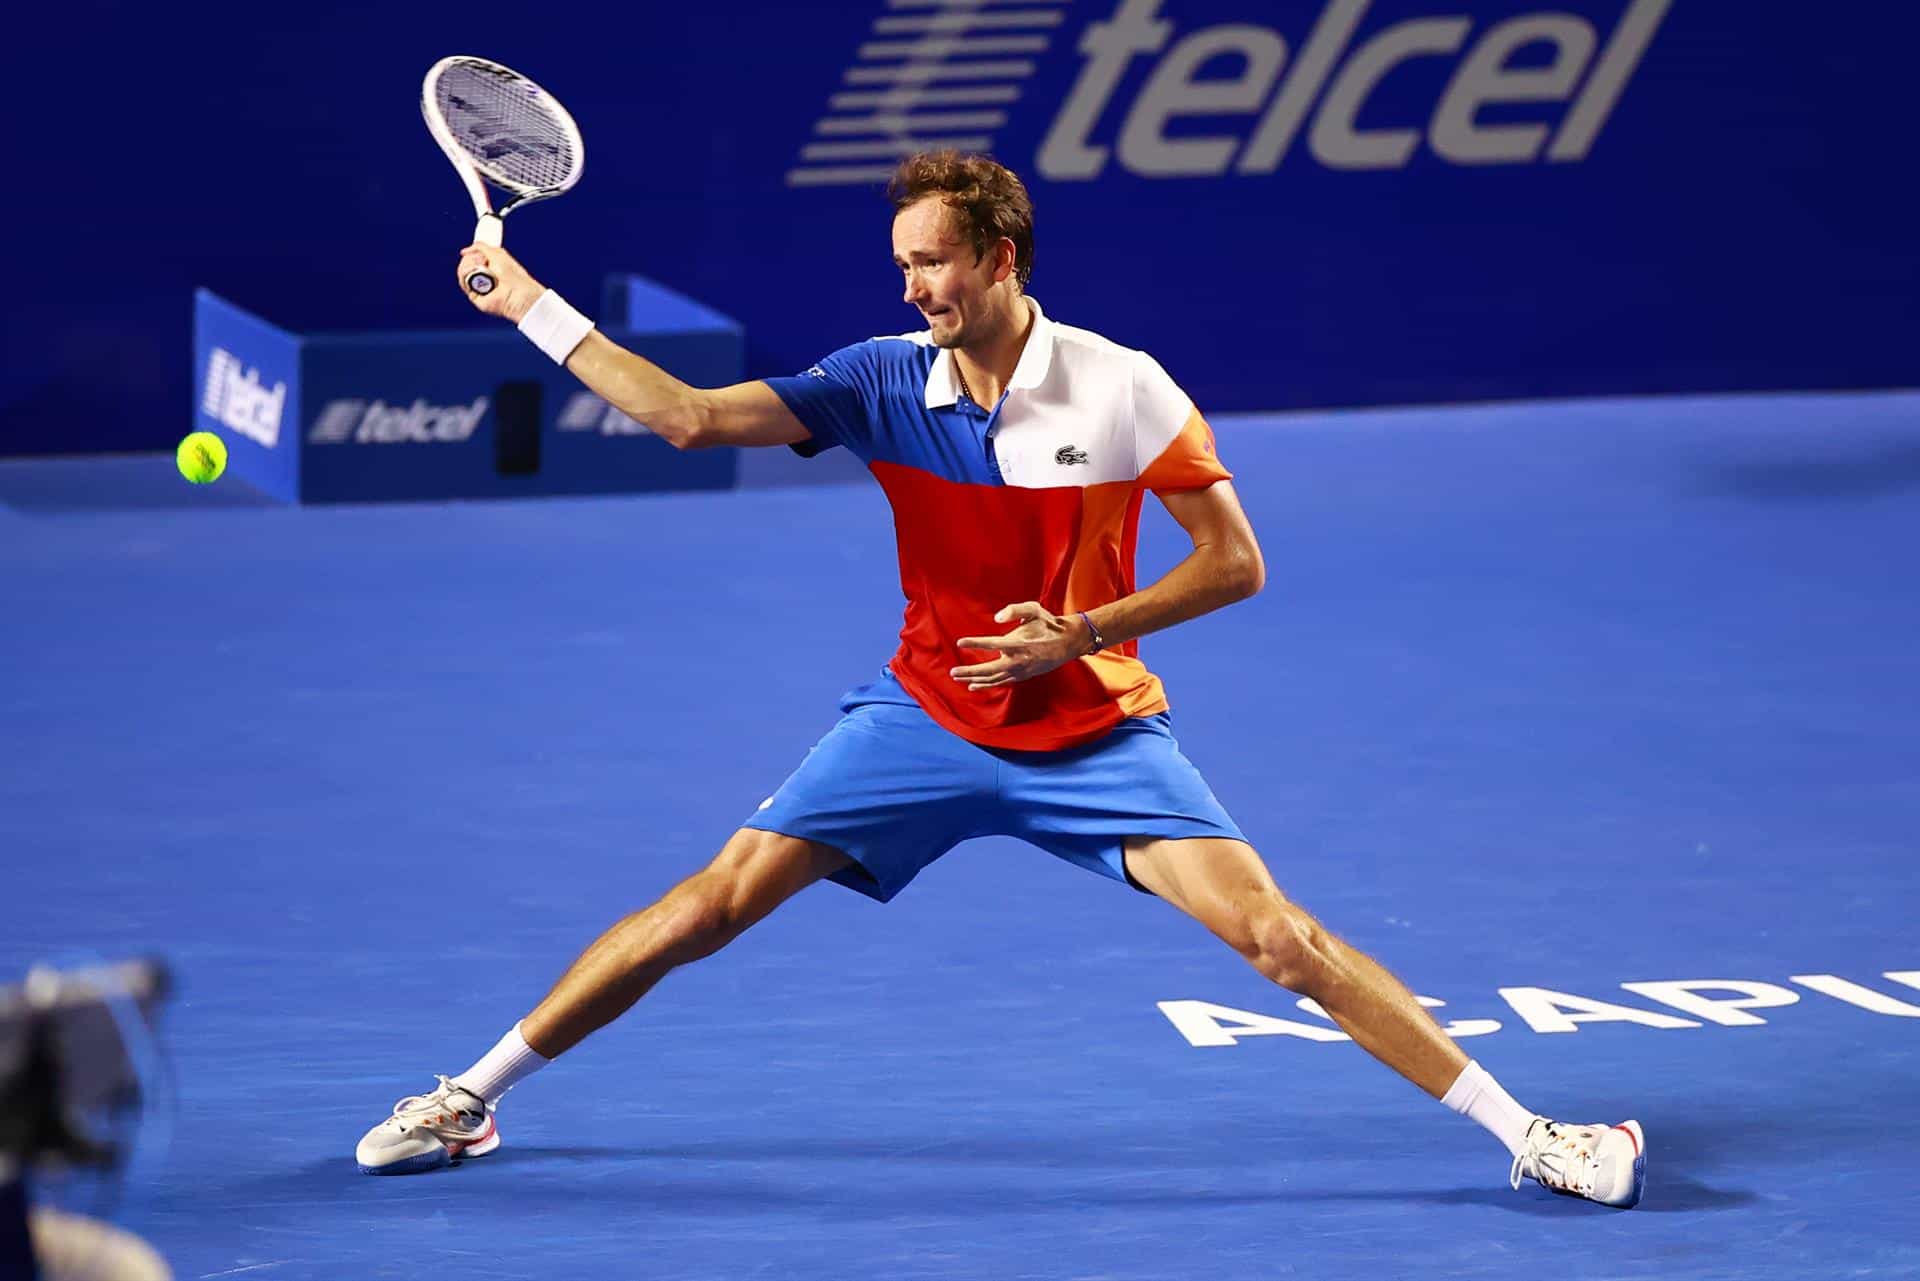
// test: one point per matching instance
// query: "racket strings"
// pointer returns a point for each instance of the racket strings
(504, 124)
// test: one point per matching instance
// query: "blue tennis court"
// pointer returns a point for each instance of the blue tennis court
(1540, 700)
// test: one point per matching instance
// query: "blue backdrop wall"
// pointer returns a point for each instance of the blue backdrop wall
(1292, 203)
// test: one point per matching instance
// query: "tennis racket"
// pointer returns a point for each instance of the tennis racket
(499, 127)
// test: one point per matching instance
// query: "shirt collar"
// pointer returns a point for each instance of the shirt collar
(943, 383)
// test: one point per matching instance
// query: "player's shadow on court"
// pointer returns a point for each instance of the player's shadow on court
(1011, 1154)
(1669, 1188)
(1666, 1192)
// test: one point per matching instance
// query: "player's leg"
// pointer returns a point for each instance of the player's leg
(881, 796)
(753, 874)
(1225, 886)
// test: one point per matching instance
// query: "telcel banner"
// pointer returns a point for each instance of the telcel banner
(479, 414)
(1345, 202)
(1289, 203)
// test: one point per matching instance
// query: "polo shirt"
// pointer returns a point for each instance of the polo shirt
(1035, 498)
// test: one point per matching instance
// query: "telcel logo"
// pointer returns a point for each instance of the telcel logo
(1484, 78)
(379, 423)
(236, 399)
(585, 411)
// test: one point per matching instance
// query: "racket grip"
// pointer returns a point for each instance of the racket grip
(487, 231)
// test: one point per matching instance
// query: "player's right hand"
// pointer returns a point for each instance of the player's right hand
(514, 291)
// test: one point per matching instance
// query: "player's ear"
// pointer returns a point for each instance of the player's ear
(1003, 259)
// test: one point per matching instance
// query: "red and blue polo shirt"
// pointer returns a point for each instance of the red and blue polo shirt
(1037, 498)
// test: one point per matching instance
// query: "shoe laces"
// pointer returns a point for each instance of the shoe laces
(432, 1109)
(1557, 1156)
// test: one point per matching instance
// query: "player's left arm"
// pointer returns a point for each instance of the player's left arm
(1224, 566)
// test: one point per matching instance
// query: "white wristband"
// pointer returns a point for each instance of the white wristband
(554, 327)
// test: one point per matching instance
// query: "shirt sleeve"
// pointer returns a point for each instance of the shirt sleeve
(1172, 441)
(835, 400)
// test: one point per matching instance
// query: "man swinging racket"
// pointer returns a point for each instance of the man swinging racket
(1016, 703)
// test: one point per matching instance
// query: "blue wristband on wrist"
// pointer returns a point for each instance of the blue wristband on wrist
(1099, 641)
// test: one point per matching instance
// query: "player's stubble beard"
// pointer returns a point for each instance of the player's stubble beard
(975, 331)
(952, 338)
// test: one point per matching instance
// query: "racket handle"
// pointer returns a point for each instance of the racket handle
(485, 232)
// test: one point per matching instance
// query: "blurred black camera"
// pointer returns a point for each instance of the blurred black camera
(67, 1058)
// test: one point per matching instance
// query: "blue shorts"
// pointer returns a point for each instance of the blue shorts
(893, 791)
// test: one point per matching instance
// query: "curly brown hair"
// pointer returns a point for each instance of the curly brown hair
(988, 200)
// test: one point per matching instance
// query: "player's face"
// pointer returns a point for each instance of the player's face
(943, 278)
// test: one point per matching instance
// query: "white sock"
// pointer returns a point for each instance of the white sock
(503, 1067)
(1477, 1095)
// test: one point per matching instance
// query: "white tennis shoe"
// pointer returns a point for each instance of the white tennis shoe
(1604, 1163)
(427, 1131)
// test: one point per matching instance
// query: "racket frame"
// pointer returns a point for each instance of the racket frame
(488, 228)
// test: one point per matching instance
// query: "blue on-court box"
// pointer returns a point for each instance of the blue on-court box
(373, 417)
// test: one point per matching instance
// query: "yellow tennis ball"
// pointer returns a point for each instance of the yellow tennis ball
(202, 457)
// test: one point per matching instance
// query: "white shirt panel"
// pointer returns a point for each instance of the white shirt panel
(1076, 426)
(1079, 410)
(1161, 409)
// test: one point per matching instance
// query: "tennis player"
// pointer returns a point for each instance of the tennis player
(1016, 452)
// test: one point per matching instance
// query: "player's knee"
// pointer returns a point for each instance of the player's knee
(705, 916)
(1287, 945)
(746, 880)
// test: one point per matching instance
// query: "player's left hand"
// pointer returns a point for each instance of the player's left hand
(1042, 642)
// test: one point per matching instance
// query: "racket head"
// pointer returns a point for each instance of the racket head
(495, 124)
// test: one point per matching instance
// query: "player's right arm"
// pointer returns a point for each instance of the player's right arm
(684, 416)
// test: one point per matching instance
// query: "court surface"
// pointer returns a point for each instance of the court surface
(1558, 698)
